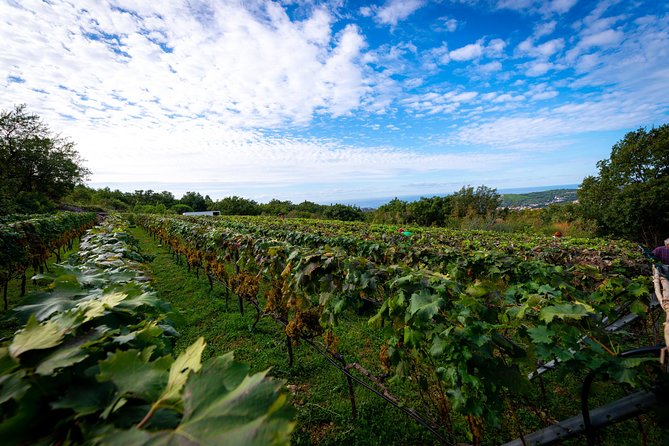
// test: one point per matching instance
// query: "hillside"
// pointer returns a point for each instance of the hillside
(539, 199)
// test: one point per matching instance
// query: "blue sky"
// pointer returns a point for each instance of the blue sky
(336, 101)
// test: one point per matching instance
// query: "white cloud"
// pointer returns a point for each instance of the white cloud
(433, 58)
(366, 11)
(451, 25)
(507, 97)
(541, 91)
(544, 95)
(560, 6)
(464, 97)
(439, 103)
(613, 111)
(244, 69)
(448, 24)
(606, 38)
(544, 29)
(517, 5)
(467, 52)
(495, 48)
(637, 63)
(537, 68)
(490, 67)
(224, 92)
(395, 11)
(544, 50)
(227, 161)
(545, 7)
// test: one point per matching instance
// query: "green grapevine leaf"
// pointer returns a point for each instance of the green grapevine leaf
(222, 405)
(97, 307)
(541, 334)
(36, 336)
(43, 305)
(7, 362)
(639, 308)
(413, 338)
(250, 412)
(186, 362)
(63, 357)
(134, 375)
(86, 398)
(438, 346)
(13, 387)
(425, 305)
(563, 311)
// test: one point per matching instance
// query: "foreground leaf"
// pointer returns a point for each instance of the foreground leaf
(134, 375)
(186, 362)
(563, 311)
(222, 406)
(36, 336)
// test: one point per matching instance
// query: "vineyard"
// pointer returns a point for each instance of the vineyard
(470, 334)
(468, 321)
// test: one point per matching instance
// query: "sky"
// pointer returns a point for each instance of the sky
(337, 101)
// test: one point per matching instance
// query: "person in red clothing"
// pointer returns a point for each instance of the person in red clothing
(661, 282)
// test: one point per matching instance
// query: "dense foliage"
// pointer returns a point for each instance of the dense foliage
(37, 168)
(93, 365)
(467, 316)
(628, 198)
(28, 241)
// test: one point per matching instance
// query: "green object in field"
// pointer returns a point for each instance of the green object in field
(403, 232)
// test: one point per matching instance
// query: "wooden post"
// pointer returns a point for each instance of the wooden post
(289, 344)
(23, 285)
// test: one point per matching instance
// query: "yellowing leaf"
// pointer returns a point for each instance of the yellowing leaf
(96, 308)
(36, 336)
(188, 361)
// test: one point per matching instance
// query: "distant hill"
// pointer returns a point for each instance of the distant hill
(538, 199)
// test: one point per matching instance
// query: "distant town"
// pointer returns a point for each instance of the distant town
(536, 200)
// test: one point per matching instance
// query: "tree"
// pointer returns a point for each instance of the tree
(237, 206)
(395, 211)
(430, 211)
(344, 212)
(195, 200)
(36, 166)
(481, 202)
(181, 208)
(277, 207)
(629, 196)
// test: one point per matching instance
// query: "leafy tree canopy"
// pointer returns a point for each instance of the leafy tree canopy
(629, 196)
(236, 206)
(482, 201)
(195, 200)
(37, 167)
(344, 212)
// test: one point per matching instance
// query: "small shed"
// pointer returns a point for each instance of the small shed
(212, 213)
